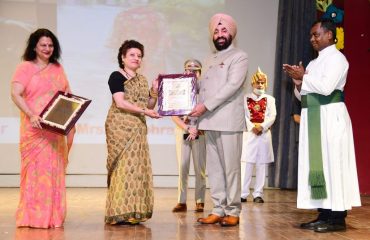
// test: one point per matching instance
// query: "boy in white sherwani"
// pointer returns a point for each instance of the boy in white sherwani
(260, 113)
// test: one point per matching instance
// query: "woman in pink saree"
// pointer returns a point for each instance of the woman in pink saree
(44, 155)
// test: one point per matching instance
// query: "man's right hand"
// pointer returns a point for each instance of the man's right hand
(198, 110)
(294, 71)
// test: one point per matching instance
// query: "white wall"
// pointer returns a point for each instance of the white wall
(89, 62)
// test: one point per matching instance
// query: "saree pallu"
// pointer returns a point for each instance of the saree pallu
(130, 184)
(44, 154)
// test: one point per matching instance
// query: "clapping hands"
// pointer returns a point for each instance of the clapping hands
(296, 72)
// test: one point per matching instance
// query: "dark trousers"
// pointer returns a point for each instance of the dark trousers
(335, 217)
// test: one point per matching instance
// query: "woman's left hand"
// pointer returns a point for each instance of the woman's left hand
(155, 85)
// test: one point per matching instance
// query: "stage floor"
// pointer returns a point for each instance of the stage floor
(277, 218)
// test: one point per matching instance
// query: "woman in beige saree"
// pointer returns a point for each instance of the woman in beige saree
(130, 184)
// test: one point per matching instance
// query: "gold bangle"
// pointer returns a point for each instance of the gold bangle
(153, 94)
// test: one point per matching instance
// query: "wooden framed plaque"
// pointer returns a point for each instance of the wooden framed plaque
(177, 94)
(62, 112)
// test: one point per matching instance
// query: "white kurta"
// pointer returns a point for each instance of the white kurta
(258, 149)
(325, 74)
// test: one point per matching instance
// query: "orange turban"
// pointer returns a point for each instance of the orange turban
(225, 20)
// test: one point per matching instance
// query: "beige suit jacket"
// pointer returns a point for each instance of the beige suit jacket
(223, 77)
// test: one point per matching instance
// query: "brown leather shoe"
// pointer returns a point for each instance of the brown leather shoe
(180, 207)
(229, 221)
(211, 219)
(199, 207)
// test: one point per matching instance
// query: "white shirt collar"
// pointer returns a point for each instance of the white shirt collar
(327, 50)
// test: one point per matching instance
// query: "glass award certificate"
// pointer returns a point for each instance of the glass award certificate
(62, 112)
(176, 94)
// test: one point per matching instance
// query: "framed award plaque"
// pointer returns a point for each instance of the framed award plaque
(177, 94)
(62, 112)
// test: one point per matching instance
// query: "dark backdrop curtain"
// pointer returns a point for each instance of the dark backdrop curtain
(292, 45)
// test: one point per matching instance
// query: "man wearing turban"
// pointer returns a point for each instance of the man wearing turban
(221, 115)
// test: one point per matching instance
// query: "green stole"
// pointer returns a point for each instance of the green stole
(312, 102)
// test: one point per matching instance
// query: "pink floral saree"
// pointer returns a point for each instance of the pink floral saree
(44, 156)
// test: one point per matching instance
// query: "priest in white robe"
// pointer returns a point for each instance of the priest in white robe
(327, 175)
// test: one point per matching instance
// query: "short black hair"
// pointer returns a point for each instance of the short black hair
(328, 25)
(126, 45)
(30, 53)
